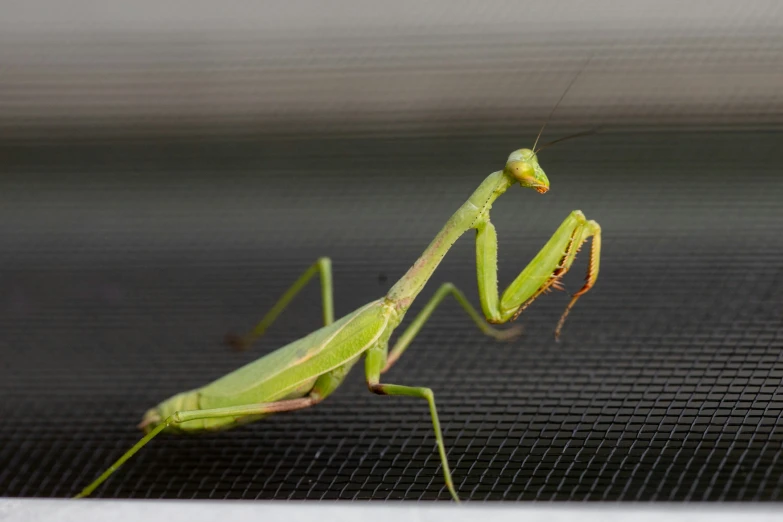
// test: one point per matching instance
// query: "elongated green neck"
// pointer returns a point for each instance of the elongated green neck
(466, 217)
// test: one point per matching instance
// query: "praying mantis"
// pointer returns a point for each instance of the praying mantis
(305, 372)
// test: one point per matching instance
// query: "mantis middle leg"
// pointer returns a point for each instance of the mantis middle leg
(446, 289)
(374, 364)
(541, 274)
(323, 266)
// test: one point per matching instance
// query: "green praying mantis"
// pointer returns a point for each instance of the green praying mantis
(307, 371)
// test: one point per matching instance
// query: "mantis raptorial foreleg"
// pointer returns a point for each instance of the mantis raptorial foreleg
(322, 265)
(445, 289)
(541, 274)
(375, 362)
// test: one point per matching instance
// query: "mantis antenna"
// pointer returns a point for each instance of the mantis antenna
(569, 137)
(573, 81)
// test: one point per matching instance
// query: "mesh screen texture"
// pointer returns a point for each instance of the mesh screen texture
(124, 264)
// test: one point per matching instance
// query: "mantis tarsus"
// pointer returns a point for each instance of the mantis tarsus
(307, 371)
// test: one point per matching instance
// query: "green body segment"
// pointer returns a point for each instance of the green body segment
(286, 373)
(468, 216)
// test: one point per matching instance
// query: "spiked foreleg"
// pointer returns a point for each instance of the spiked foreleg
(592, 273)
(541, 274)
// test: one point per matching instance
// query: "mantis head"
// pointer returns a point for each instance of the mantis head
(523, 166)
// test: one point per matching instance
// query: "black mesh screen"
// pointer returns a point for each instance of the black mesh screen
(123, 265)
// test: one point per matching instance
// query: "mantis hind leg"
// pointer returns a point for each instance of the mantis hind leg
(446, 289)
(323, 266)
(543, 273)
(323, 387)
(183, 416)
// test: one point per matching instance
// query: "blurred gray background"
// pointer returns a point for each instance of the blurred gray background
(371, 66)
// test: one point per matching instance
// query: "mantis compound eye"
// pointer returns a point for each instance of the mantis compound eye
(523, 171)
(528, 175)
